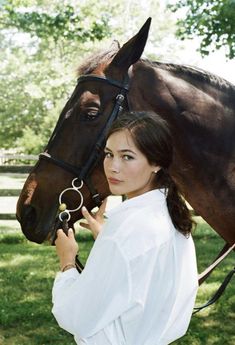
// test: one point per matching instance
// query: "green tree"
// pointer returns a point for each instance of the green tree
(41, 44)
(64, 21)
(211, 20)
(39, 41)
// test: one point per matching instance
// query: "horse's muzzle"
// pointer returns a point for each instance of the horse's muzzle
(29, 224)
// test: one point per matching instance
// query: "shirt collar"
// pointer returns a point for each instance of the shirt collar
(156, 196)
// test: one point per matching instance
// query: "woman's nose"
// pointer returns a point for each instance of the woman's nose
(114, 166)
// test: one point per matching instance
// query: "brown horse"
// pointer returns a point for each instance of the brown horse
(198, 106)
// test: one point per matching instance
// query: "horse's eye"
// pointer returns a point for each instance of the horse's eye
(90, 114)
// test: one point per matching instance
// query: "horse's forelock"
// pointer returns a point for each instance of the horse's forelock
(95, 60)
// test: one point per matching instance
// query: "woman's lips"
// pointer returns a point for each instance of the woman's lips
(113, 180)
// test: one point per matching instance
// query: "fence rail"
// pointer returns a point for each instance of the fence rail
(20, 169)
(9, 192)
(14, 158)
(7, 216)
(12, 163)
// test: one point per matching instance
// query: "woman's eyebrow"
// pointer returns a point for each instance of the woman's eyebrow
(127, 151)
(122, 150)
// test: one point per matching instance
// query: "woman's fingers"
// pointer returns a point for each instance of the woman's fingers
(85, 225)
(60, 234)
(70, 233)
(66, 246)
(87, 215)
(102, 208)
(95, 220)
(92, 217)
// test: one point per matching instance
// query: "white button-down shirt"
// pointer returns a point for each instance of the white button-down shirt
(139, 283)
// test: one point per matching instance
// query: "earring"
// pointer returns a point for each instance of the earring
(155, 171)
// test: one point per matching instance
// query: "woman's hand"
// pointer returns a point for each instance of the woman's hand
(96, 220)
(66, 247)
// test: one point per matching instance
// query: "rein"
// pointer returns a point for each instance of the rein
(203, 276)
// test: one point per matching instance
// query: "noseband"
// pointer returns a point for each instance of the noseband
(83, 173)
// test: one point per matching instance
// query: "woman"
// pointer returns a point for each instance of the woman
(140, 280)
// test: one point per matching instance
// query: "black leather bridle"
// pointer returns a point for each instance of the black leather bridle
(83, 173)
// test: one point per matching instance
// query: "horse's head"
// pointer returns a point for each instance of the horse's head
(75, 148)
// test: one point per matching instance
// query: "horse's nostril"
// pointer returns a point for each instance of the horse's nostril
(29, 224)
(28, 216)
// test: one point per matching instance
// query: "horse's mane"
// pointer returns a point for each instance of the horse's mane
(195, 72)
(200, 75)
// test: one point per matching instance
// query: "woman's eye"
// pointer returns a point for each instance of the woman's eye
(107, 155)
(127, 157)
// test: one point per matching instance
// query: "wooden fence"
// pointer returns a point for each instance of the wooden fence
(14, 164)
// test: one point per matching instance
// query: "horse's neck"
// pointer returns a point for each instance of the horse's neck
(182, 83)
(203, 129)
(201, 116)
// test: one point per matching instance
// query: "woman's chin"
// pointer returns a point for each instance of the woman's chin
(116, 191)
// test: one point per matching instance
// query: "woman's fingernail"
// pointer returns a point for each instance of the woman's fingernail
(84, 208)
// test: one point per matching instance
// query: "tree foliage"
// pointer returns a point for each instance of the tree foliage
(65, 21)
(38, 45)
(211, 20)
(41, 44)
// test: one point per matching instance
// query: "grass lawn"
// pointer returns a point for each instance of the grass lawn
(27, 271)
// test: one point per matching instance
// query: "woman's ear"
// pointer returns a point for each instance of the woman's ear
(156, 169)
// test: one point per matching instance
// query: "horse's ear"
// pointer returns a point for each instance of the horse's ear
(115, 45)
(132, 50)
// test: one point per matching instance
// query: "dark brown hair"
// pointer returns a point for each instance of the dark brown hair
(152, 137)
